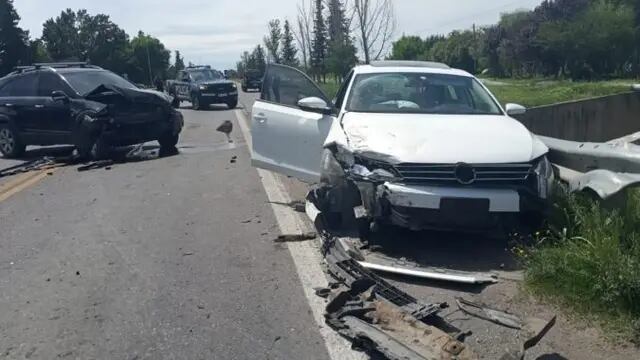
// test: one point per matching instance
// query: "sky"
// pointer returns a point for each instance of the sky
(216, 32)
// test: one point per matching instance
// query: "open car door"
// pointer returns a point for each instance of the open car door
(290, 123)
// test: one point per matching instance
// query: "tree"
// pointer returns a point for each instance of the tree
(13, 40)
(376, 23)
(273, 39)
(289, 54)
(341, 52)
(80, 36)
(37, 52)
(408, 48)
(178, 63)
(258, 59)
(303, 32)
(319, 43)
(149, 59)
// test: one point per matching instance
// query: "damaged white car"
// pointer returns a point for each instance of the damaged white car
(413, 144)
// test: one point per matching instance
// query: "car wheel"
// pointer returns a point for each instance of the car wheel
(100, 149)
(244, 89)
(10, 144)
(232, 104)
(176, 102)
(168, 141)
(195, 102)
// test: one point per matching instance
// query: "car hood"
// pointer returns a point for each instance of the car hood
(105, 92)
(440, 139)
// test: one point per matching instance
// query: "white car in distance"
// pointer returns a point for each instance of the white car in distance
(415, 144)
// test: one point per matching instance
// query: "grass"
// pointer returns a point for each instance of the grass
(539, 92)
(589, 260)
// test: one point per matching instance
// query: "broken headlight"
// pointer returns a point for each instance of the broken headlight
(373, 170)
(544, 177)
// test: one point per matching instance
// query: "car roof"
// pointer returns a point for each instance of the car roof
(73, 70)
(383, 67)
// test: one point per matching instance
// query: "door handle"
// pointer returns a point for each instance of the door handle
(39, 106)
(260, 118)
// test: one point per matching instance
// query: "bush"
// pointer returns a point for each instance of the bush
(589, 257)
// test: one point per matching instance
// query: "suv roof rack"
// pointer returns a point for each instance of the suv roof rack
(405, 63)
(57, 65)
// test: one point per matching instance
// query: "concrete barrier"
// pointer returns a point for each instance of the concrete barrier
(596, 120)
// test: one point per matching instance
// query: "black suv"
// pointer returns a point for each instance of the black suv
(83, 105)
(252, 79)
(202, 86)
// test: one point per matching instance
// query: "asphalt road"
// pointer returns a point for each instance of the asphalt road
(168, 258)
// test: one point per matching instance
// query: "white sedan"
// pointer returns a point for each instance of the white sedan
(414, 144)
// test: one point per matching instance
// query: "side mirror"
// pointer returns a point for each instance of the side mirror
(316, 105)
(59, 96)
(515, 109)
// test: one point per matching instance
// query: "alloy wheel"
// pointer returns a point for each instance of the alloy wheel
(7, 141)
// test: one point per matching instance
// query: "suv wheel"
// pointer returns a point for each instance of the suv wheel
(168, 141)
(232, 104)
(244, 88)
(10, 145)
(176, 102)
(195, 102)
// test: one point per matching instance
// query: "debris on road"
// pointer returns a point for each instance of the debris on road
(99, 164)
(434, 274)
(381, 319)
(296, 237)
(43, 163)
(226, 128)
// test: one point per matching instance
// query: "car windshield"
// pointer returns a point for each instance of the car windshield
(86, 81)
(423, 93)
(205, 75)
(253, 75)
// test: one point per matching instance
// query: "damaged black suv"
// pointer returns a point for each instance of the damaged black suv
(87, 106)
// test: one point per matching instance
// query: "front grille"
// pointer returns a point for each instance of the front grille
(220, 88)
(451, 174)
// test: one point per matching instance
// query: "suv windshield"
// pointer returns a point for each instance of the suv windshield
(205, 75)
(422, 93)
(253, 75)
(86, 81)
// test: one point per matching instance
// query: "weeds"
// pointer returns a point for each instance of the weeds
(589, 257)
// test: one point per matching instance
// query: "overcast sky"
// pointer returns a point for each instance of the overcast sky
(217, 31)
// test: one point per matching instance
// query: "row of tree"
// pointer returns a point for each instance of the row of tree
(578, 39)
(79, 36)
(326, 37)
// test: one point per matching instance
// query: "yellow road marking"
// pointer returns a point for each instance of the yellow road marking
(22, 182)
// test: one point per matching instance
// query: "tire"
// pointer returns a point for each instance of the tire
(100, 149)
(10, 144)
(176, 102)
(195, 102)
(168, 141)
(232, 104)
(244, 88)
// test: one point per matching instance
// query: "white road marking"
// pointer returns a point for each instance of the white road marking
(306, 255)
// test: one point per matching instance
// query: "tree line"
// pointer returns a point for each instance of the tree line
(575, 39)
(326, 38)
(80, 36)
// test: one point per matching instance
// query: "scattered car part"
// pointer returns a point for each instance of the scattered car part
(296, 237)
(498, 317)
(433, 274)
(380, 318)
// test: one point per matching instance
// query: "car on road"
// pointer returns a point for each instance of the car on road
(414, 144)
(202, 86)
(83, 105)
(252, 79)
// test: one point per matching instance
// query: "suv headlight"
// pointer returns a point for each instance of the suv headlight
(203, 87)
(234, 86)
(544, 177)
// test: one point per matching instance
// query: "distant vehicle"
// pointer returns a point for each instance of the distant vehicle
(230, 74)
(414, 144)
(252, 79)
(202, 86)
(83, 105)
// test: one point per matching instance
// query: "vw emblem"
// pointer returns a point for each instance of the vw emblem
(465, 174)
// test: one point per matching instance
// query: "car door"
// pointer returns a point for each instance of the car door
(286, 138)
(184, 85)
(55, 116)
(19, 97)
